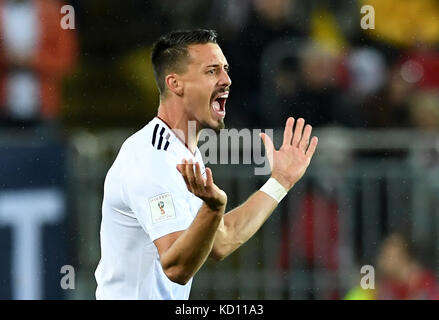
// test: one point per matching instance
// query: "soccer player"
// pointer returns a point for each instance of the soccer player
(162, 214)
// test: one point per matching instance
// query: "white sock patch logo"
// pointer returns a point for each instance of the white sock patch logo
(162, 208)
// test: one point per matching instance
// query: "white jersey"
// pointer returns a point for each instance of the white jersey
(145, 198)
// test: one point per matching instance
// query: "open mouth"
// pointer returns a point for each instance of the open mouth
(219, 104)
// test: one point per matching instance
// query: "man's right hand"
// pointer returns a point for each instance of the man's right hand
(205, 189)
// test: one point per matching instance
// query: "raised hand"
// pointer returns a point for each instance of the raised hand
(205, 189)
(289, 163)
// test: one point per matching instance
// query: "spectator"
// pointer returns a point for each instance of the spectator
(389, 107)
(401, 276)
(365, 78)
(317, 95)
(424, 110)
(35, 53)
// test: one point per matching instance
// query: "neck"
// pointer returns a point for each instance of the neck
(173, 115)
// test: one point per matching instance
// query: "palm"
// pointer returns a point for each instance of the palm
(205, 189)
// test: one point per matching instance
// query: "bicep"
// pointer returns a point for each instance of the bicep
(161, 210)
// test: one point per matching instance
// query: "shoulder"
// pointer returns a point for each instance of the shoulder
(152, 142)
(149, 155)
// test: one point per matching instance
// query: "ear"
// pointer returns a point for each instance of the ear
(174, 84)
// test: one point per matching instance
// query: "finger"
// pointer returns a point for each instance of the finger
(269, 147)
(312, 147)
(190, 173)
(288, 132)
(298, 132)
(198, 177)
(268, 144)
(209, 179)
(303, 144)
(182, 169)
(181, 166)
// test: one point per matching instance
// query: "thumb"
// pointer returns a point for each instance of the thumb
(269, 147)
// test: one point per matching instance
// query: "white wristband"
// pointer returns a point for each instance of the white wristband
(274, 189)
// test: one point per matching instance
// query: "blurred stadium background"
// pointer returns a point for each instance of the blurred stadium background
(69, 98)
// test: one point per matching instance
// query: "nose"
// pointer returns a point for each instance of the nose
(225, 79)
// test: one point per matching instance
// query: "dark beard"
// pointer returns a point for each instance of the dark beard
(220, 126)
(217, 129)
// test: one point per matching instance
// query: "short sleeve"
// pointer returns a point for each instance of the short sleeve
(160, 204)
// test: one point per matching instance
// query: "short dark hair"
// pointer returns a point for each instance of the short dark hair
(170, 52)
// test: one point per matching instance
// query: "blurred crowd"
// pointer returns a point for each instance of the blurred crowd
(307, 59)
(312, 59)
(35, 55)
(400, 274)
(287, 57)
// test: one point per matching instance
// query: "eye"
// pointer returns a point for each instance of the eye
(211, 71)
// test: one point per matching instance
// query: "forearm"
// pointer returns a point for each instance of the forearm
(288, 165)
(188, 253)
(241, 223)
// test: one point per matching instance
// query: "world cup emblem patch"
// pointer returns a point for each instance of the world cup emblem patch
(161, 205)
(157, 205)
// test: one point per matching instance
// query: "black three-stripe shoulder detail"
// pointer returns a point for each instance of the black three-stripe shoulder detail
(167, 141)
(160, 135)
(154, 134)
(161, 138)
